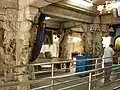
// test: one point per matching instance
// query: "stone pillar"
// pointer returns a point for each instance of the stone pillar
(8, 23)
(63, 44)
(63, 52)
(23, 39)
(96, 39)
(16, 25)
(88, 41)
(93, 44)
(8, 28)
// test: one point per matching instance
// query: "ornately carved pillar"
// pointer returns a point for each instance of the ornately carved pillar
(23, 47)
(88, 41)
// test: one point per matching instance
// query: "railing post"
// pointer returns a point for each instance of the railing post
(96, 62)
(96, 66)
(32, 72)
(118, 60)
(90, 81)
(52, 81)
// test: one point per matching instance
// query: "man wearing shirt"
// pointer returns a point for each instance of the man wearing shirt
(108, 52)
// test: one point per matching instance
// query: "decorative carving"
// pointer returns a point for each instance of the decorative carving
(10, 52)
(94, 27)
(11, 14)
(11, 26)
(96, 20)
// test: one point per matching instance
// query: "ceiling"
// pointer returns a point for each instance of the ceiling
(99, 2)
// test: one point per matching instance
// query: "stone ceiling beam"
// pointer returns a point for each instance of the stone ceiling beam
(109, 19)
(81, 8)
(72, 24)
(36, 3)
(52, 24)
(67, 14)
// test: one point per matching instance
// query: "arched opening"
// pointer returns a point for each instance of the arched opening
(117, 47)
(117, 43)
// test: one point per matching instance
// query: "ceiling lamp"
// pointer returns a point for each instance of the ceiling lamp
(47, 18)
(108, 6)
(87, 3)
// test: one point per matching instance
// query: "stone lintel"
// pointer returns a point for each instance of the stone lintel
(67, 14)
(109, 19)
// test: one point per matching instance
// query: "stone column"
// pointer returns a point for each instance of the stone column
(88, 41)
(8, 28)
(93, 44)
(63, 44)
(23, 39)
(63, 52)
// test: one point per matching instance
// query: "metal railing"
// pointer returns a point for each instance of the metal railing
(55, 77)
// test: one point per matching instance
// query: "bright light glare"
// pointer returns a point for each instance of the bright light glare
(86, 3)
(116, 5)
(72, 39)
(106, 41)
(47, 18)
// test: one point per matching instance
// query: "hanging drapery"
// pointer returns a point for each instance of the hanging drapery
(39, 38)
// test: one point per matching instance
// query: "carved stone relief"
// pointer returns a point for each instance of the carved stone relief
(94, 27)
(93, 44)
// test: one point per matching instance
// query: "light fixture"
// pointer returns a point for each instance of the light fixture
(108, 6)
(47, 18)
(106, 41)
(87, 3)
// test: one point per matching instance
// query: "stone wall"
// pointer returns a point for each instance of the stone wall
(16, 29)
(8, 28)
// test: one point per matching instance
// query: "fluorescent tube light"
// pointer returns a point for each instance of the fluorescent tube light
(87, 3)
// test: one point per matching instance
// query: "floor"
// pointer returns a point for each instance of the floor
(96, 85)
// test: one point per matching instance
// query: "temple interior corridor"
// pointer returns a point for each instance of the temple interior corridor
(59, 44)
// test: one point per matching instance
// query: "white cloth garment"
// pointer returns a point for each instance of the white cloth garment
(108, 52)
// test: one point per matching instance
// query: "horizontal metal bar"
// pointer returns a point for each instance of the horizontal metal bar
(70, 60)
(118, 87)
(40, 72)
(66, 68)
(85, 72)
(72, 86)
(58, 62)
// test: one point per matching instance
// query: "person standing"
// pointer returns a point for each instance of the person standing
(108, 60)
